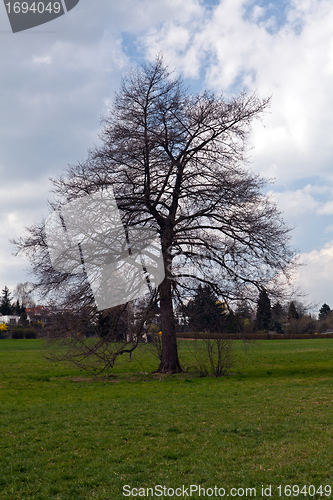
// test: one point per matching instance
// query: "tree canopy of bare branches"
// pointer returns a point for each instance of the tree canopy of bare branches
(177, 164)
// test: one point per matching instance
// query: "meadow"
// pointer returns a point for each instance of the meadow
(66, 435)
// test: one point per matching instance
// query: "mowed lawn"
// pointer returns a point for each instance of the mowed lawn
(67, 435)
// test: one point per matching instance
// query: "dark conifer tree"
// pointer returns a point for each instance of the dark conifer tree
(263, 311)
(6, 307)
(278, 312)
(204, 312)
(24, 319)
(324, 312)
(18, 308)
(292, 312)
(278, 317)
(233, 325)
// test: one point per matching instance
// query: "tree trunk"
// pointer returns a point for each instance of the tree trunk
(169, 362)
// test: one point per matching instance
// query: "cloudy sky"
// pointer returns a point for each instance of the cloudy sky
(58, 79)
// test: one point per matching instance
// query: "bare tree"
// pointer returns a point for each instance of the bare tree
(23, 292)
(176, 164)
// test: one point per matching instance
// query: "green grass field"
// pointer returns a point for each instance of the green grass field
(68, 436)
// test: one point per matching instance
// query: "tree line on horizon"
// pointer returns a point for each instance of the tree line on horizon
(206, 313)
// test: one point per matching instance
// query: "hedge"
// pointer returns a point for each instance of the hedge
(251, 336)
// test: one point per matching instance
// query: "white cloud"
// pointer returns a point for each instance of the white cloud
(308, 200)
(326, 209)
(42, 60)
(295, 203)
(16, 194)
(257, 13)
(21, 205)
(294, 64)
(315, 276)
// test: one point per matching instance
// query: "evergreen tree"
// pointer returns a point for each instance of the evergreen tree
(6, 307)
(243, 310)
(18, 308)
(233, 325)
(242, 318)
(23, 321)
(324, 311)
(204, 311)
(278, 316)
(292, 313)
(263, 311)
(278, 312)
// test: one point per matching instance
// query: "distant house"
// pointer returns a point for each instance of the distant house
(9, 320)
(38, 313)
(181, 320)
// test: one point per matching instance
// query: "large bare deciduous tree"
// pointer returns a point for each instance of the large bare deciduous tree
(177, 164)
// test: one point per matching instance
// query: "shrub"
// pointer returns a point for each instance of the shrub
(17, 333)
(30, 333)
(3, 331)
(213, 355)
(155, 340)
(323, 327)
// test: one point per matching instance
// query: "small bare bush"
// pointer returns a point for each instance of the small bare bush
(213, 356)
(155, 343)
